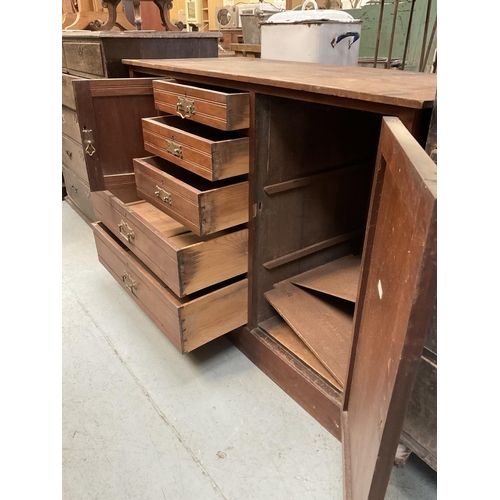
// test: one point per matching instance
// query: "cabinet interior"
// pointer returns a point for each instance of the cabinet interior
(311, 186)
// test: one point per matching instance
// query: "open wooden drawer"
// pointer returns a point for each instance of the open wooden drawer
(185, 262)
(206, 151)
(187, 322)
(204, 207)
(221, 108)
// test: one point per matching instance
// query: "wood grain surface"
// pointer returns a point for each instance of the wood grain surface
(400, 88)
(339, 278)
(396, 299)
(277, 328)
(324, 325)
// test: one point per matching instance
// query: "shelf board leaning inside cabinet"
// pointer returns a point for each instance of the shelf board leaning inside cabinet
(327, 146)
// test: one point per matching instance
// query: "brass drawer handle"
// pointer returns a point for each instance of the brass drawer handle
(163, 195)
(185, 106)
(174, 149)
(88, 141)
(126, 231)
(70, 154)
(130, 283)
(89, 149)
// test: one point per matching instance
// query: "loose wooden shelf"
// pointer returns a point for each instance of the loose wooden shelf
(324, 324)
(279, 330)
(318, 306)
(339, 278)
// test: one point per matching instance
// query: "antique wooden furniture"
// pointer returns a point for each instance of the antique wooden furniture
(91, 15)
(87, 54)
(341, 228)
(98, 54)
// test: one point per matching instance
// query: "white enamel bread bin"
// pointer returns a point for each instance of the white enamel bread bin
(319, 36)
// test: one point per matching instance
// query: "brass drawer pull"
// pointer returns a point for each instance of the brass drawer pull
(174, 149)
(163, 195)
(88, 141)
(70, 154)
(89, 149)
(129, 282)
(185, 106)
(126, 231)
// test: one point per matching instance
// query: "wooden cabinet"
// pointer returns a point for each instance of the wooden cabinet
(341, 210)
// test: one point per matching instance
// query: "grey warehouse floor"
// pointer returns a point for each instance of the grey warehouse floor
(141, 421)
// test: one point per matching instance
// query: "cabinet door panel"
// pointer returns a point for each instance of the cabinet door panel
(395, 302)
(109, 113)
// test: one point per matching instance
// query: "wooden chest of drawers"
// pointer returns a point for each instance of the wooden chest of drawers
(176, 241)
(74, 169)
(98, 54)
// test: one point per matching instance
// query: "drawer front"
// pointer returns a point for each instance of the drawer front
(223, 109)
(79, 193)
(208, 152)
(185, 262)
(200, 205)
(74, 158)
(84, 57)
(68, 96)
(188, 324)
(70, 125)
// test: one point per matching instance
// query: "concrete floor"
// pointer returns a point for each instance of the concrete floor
(140, 421)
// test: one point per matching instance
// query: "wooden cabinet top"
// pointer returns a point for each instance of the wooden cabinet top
(388, 87)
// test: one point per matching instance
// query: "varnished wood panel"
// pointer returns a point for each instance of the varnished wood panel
(110, 112)
(396, 298)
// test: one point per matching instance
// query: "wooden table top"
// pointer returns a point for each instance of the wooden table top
(393, 87)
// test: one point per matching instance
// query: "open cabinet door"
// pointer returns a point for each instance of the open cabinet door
(396, 297)
(109, 113)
